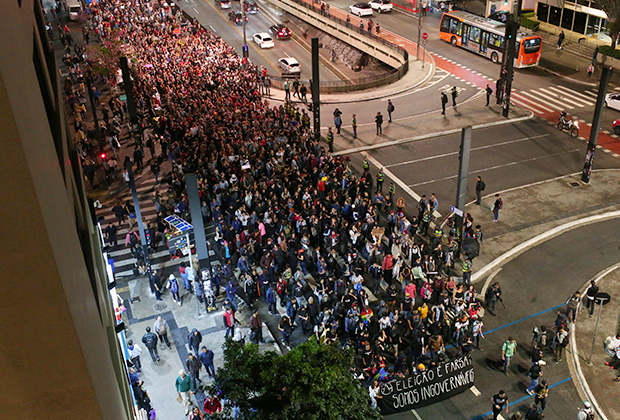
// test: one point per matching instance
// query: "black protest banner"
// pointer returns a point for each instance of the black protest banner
(428, 387)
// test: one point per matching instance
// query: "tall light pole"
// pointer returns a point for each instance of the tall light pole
(417, 53)
(246, 53)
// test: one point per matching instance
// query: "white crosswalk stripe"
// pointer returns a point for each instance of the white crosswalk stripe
(554, 98)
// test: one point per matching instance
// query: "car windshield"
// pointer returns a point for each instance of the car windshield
(294, 64)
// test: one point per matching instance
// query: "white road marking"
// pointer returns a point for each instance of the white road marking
(473, 149)
(483, 292)
(534, 105)
(615, 155)
(196, 10)
(548, 98)
(580, 96)
(562, 97)
(555, 107)
(491, 168)
(592, 93)
(396, 180)
(415, 413)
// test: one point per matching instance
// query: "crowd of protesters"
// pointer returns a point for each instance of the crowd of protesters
(295, 226)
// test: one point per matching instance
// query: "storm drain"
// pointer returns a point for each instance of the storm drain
(574, 184)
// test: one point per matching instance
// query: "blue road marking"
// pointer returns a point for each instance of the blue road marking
(482, 416)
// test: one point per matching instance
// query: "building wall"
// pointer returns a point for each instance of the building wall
(58, 355)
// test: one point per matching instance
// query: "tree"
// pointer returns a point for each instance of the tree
(311, 382)
(612, 9)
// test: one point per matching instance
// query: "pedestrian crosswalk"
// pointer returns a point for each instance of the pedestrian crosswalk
(124, 262)
(554, 98)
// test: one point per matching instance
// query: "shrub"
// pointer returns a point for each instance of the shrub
(607, 50)
(529, 23)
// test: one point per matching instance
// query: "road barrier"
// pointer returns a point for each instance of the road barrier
(385, 51)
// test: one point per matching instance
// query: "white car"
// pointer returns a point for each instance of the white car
(289, 65)
(612, 100)
(360, 9)
(381, 6)
(263, 39)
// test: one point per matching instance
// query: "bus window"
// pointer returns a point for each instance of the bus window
(531, 46)
(445, 23)
(496, 42)
(474, 35)
(455, 27)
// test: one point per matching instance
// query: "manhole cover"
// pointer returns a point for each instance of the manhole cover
(573, 184)
(160, 306)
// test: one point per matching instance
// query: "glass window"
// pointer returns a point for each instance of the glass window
(594, 24)
(584, 2)
(496, 41)
(580, 23)
(531, 46)
(554, 15)
(543, 12)
(474, 34)
(445, 23)
(455, 27)
(567, 19)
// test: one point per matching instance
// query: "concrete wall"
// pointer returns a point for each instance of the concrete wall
(57, 361)
(363, 43)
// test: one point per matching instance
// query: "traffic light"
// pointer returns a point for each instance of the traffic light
(102, 156)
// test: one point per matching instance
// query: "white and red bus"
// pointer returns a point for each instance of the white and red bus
(486, 37)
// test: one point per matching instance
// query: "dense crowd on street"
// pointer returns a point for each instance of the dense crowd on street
(296, 228)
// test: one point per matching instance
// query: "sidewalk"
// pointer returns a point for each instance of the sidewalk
(598, 376)
(572, 64)
(416, 76)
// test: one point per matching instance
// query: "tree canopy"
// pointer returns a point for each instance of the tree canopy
(612, 9)
(311, 382)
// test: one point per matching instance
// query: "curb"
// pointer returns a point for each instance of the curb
(574, 364)
(527, 245)
(431, 135)
(429, 76)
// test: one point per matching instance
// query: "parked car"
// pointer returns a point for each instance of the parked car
(612, 100)
(236, 17)
(360, 9)
(251, 7)
(280, 31)
(224, 4)
(263, 39)
(381, 6)
(289, 65)
(616, 126)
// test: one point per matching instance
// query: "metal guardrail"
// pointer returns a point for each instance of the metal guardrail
(351, 84)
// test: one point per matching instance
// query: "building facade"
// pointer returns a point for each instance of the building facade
(579, 16)
(59, 354)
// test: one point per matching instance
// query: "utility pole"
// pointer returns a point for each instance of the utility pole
(195, 209)
(461, 185)
(417, 53)
(596, 124)
(138, 214)
(314, 85)
(246, 53)
(504, 84)
(128, 86)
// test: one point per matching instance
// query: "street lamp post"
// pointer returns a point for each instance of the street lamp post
(245, 41)
(417, 53)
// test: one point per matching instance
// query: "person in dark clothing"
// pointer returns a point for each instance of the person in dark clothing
(379, 122)
(193, 365)
(256, 325)
(206, 358)
(489, 92)
(138, 156)
(111, 234)
(155, 284)
(454, 93)
(142, 397)
(444, 101)
(480, 186)
(499, 400)
(591, 293)
(150, 341)
(194, 339)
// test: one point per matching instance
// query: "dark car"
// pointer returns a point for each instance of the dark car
(280, 31)
(236, 17)
(251, 7)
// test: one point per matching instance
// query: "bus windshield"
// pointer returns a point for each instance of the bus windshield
(531, 46)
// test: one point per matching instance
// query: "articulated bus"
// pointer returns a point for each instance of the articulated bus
(486, 37)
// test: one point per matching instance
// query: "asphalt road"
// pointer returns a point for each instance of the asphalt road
(533, 285)
(505, 157)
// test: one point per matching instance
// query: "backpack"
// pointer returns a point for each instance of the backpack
(482, 185)
(564, 342)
